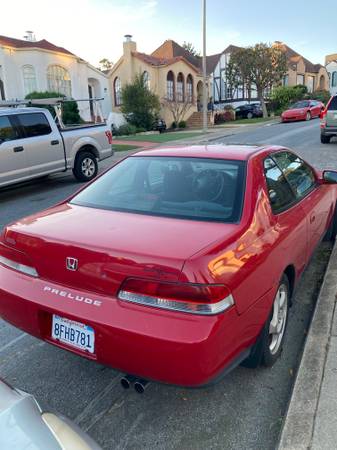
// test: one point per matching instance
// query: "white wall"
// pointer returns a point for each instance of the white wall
(331, 68)
(12, 61)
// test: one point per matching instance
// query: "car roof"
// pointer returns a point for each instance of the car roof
(216, 151)
(20, 110)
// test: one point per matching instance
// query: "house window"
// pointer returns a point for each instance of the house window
(189, 88)
(2, 90)
(146, 79)
(29, 79)
(180, 87)
(334, 79)
(58, 80)
(170, 86)
(118, 91)
(300, 79)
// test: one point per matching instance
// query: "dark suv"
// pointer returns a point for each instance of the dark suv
(248, 111)
(329, 121)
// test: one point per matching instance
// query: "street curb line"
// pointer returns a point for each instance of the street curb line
(298, 428)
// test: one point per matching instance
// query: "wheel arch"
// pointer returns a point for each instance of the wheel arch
(290, 272)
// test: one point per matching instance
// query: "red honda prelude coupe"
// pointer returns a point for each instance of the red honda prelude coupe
(303, 110)
(175, 265)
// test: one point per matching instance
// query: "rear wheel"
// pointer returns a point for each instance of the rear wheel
(249, 115)
(86, 167)
(331, 232)
(308, 116)
(269, 345)
(325, 139)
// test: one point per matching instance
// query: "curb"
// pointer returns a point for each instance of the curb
(299, 423)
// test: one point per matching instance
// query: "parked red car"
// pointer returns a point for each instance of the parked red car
(175, 265)
(303, 110)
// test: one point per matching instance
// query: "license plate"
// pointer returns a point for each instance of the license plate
(74, 333)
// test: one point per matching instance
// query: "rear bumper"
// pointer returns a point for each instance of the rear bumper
(329, 131)
(160, 345)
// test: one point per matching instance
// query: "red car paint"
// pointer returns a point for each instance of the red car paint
(249, 258)
(314, 109)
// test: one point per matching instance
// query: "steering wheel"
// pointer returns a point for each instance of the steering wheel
(208, 185)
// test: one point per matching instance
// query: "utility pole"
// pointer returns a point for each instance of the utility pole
(204, 87)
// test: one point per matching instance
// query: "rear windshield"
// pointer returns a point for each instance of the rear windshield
(333, 104)
(303, 104)
(187, 188)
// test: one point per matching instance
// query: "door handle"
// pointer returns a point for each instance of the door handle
(56, 142)
(18, 149)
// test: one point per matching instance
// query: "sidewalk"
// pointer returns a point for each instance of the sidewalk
(311, 420)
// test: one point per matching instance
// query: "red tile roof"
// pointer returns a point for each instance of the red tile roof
(162, 61)
(43, 44)
(294, 57)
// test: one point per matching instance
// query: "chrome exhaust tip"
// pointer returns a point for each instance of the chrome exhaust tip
(127, 380)
(141, 385)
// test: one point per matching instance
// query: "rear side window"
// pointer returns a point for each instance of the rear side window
(299, 175)
(7, 132)
(333, 104)
(35, 124)
(280, 194)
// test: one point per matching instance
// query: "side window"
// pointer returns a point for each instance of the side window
(35, 124)
(299, 175)
(280, 194)
(7, 132)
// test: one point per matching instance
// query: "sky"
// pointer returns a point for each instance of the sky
(95, 29)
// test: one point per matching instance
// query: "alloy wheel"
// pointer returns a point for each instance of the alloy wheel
(88, 167)
(279, 319)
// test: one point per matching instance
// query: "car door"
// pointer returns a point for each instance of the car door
(313, 197)
(13, 161)
(315, 108)
(43, 144)
(289, 222)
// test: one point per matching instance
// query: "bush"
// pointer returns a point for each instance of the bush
(70, 112)
(174, 125)
(182, 124)
(126, 130)
(139, 104)
(322, 96)
(283, 96)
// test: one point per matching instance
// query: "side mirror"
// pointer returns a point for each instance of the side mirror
(330, 176)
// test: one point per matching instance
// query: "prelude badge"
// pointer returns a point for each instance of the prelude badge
(72, 264)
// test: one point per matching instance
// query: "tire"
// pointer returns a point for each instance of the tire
(86, 167)
(249, 115)
(269, 345)
(325, 139)
(331, 232)
(308, 116)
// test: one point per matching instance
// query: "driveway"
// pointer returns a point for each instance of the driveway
(244, 411)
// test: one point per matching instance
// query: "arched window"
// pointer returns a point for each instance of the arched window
(180, 87)
(2, 90)
(189, 89)
(118, 91)
(146, 79)
(334, 79)
(58, 79)
(29, 79)
(170, 86)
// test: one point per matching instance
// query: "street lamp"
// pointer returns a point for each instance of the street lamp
(204, 87)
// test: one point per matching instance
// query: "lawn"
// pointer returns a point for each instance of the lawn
(124, 147)
(163, 137)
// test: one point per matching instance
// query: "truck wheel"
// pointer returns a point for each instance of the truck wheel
(269, 344)
(325, 139)
(86, 167)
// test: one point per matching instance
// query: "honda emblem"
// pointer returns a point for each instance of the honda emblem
(72, 263)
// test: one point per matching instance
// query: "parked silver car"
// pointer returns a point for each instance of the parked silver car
(329, 121)
(23, 425)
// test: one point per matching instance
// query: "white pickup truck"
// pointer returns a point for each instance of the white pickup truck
(32, 145)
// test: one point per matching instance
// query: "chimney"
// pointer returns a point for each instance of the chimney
(30, 36)
(129, 45)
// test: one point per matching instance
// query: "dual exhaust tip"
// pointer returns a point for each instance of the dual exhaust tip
(139, 384)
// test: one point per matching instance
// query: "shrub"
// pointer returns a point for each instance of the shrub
(70, 112)
(126, 130)
(283, 96)
(174, 125)
(182, 124)
(322, 96)
(139, 104)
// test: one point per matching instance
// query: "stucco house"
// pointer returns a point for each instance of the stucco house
(331, 67)
(300, 71)
(170, 71)
(30, 65)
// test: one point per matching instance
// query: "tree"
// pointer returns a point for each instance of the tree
(190, 48)
(105, 64)
(261, 66)
(139, 104)
(178, 109)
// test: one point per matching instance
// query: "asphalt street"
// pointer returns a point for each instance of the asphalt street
(244, 411)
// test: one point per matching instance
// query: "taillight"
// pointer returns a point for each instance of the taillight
(108, 134)
(204, 299)
(322, 116)
(16, 260)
